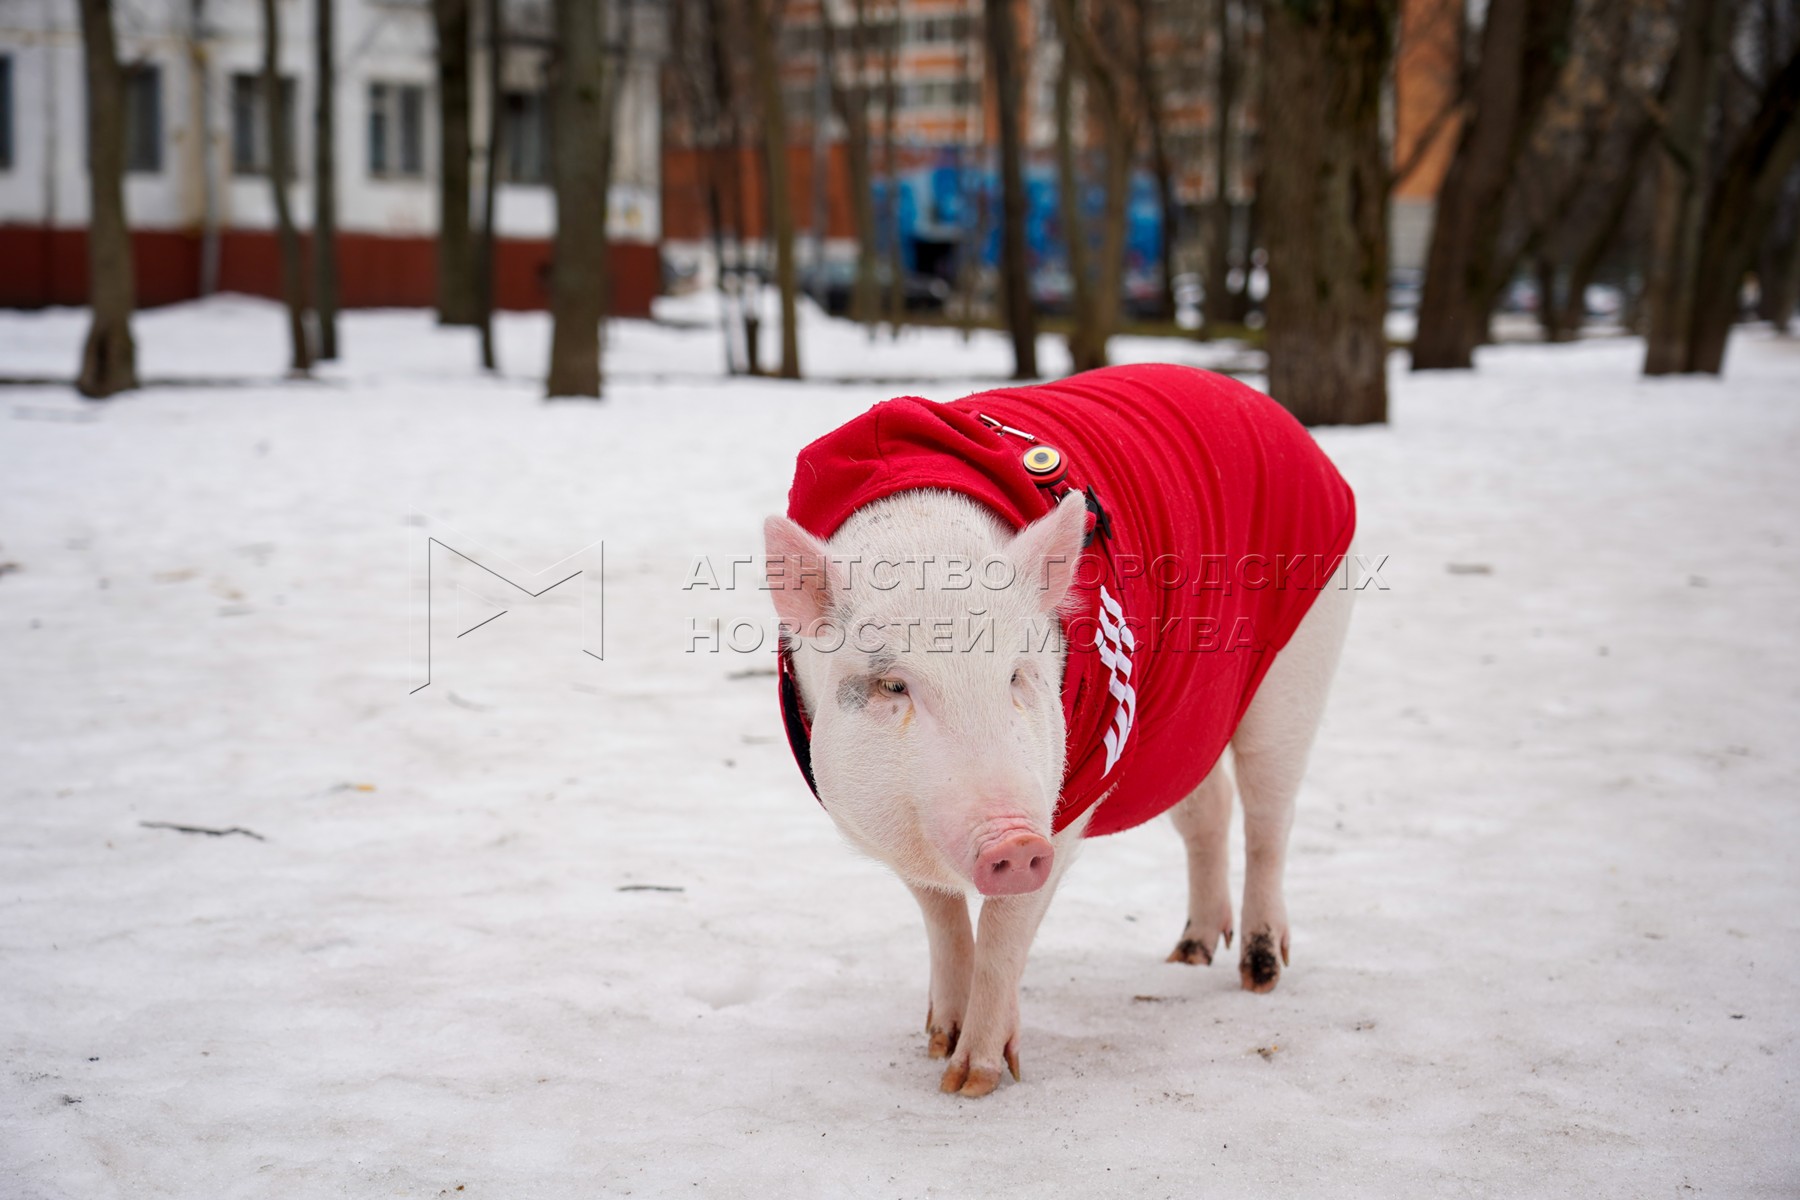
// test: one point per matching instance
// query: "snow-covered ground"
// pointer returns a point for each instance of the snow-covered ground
(562, 927)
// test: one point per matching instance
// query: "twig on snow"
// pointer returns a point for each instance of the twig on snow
(251, 833)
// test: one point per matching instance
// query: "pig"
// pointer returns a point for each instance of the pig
(983, 662)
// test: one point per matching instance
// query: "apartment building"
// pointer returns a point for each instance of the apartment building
(944, 127)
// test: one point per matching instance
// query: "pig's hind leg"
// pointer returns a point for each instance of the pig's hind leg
(1269, 752)
(952, 943)
(1204, 822)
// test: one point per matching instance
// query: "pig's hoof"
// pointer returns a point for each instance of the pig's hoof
(943, 1037)
(963, 1077)
(1198, 950)
(1259, 970)
(980, 1082)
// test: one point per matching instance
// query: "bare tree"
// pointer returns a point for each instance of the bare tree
(198, 33)
(1681, 179)
(578, 262)
(621, 49)
(850, 99)
(1217, 309)
(1523, 43)
(1325, 184)
(1778, 268)
(1778, 259)
(890, 154)
(1566, 314)
(1149, 70)
(490, 184)
(1563, 162)
(109, 357)
(1015, 269)
(973, 215)
(1576, 208)
(281, 159)
(1739, 211)
(775, 151)
(1097, 42)
(455, 257)
(325, 277)
(1074, 228)
(1578, 186)
(702, 95)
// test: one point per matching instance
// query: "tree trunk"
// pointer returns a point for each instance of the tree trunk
(609, 121)
(198, 33)
(1083, 354)
(109, 357)
(1105, 72)
(1781, 286)
(781, 204)
(724, 188)
(1110, 285)
(972, 200)
(852, 103)
(1742, 205)
(455, 257)
(1325, 182)
(1216, 311)
(325, 278)
(1554, 316)
(293, 280)
(1239, 302)
(1600, 237)
(1681, 185)
(578, 261)
(1522, 46)
(890, 105)
(490, 184)
(1015, 267)
(1775, 266)
(1160, 163)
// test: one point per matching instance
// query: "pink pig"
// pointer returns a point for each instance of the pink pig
(1043, 614)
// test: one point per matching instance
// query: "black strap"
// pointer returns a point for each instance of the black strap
(793, 716)
(1102, 522)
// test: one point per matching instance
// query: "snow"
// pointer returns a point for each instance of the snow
(1543, 873)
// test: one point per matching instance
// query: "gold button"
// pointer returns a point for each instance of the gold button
(1044, 464)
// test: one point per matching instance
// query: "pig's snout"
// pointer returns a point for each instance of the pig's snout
(1013, 864)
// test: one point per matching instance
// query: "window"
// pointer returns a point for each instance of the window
(396, 130)
(941, 30)
(525, 140)
(143, 118)
(250, 125)
(938, 93)
(6, 113)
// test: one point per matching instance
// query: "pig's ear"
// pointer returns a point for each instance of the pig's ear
(1045, 551)
(802, 577)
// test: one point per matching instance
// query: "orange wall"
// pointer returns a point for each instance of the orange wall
(684, 212)
(49, 266)
(1425, 85)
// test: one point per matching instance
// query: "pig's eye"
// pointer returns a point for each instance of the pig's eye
(892, 687)
(1018, 676)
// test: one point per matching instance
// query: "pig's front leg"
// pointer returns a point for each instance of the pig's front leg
(991, 1031)
(952, 964)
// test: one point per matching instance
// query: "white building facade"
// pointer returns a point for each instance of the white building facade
(197, 193)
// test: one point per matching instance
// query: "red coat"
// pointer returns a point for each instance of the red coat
(1221, 521)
